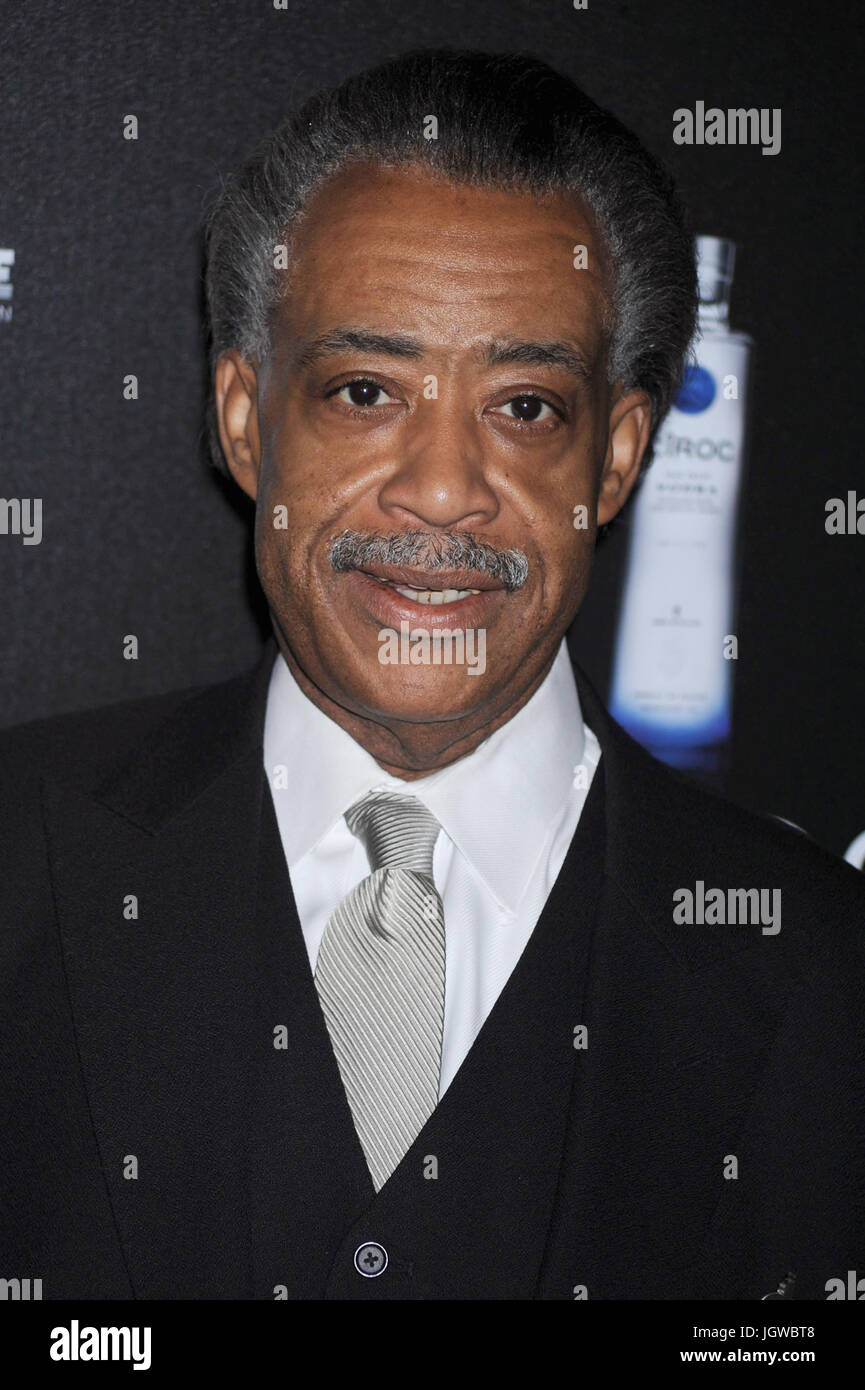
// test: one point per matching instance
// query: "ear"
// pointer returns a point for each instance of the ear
(629, 427)
(235, 389)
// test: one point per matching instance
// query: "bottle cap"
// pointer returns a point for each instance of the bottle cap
(716, 260)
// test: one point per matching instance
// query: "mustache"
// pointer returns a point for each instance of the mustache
(454, 550)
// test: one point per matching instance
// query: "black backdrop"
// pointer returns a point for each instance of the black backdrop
(140, 537)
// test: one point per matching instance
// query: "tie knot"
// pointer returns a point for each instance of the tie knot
(398, 832)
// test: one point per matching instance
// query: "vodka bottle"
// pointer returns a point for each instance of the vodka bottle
(676, 645)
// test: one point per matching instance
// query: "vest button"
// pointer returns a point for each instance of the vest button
(370, 1259)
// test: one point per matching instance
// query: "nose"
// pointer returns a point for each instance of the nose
(439, 478)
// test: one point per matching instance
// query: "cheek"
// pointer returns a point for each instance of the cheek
(295, 460)
(291, 502)
(279, 556)
(570, 510)
(567, 560)
(559, 526)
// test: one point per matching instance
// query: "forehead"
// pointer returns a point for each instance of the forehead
(407, 248)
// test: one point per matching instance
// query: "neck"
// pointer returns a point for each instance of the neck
(410, 750)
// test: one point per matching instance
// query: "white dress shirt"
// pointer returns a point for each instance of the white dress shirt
(508, 813)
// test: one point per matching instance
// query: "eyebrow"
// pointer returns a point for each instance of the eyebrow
(498, 352)
(357, 340)
(532, 354)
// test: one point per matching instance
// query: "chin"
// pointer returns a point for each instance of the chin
(421, 696)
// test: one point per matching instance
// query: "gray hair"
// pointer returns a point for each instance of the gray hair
(505, 120)
(457, 550)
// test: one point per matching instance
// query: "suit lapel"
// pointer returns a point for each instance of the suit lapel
(154, 882)
(680, 1018)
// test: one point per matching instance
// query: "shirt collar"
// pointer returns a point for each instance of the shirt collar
(499, 804)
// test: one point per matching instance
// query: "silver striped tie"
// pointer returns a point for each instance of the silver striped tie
(380, 979)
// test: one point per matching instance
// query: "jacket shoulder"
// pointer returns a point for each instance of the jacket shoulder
(85, 745)
(701, 835)
(742, 836)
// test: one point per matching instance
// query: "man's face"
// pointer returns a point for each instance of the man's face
(471, 401)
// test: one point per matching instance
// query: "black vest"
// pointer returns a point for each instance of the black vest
(477, 1229)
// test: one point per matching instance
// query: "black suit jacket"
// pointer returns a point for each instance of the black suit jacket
(707, 1141)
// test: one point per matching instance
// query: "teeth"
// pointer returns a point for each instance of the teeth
(434, 596)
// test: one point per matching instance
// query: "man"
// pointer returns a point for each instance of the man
(395, 969)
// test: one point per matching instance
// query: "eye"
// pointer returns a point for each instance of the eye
(528, 409)
(361, 392)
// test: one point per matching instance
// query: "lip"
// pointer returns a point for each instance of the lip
(390, 608)
(415, 578)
